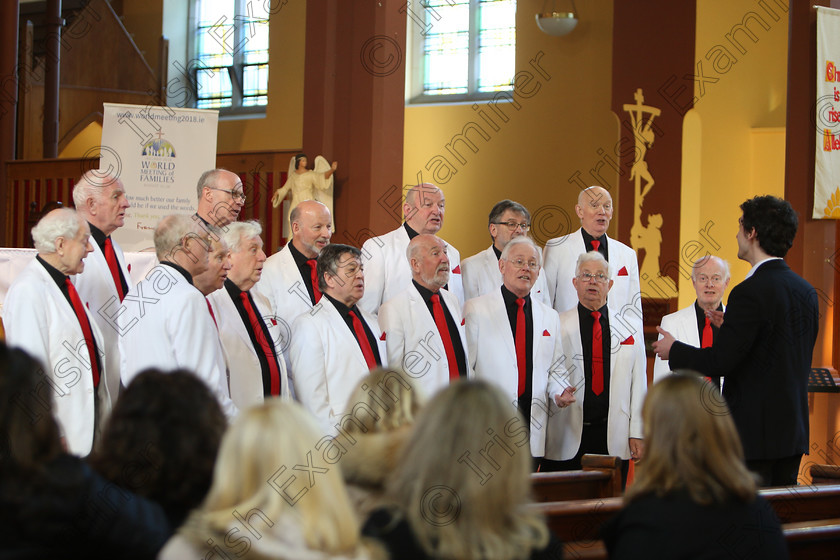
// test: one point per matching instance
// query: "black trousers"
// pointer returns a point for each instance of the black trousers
(777, 472)
(593, 439)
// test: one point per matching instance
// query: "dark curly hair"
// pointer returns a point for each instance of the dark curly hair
(773, 220)
(162, 439)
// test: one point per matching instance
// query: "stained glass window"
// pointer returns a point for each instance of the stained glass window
(468, 47)
(231, 43)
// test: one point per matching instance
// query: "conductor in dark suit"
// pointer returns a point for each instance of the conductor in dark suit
(764, 346)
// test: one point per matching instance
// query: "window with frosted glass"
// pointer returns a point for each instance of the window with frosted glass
(468, 47)
(232, 47)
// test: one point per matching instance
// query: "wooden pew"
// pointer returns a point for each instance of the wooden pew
(599, 478)
(580, 520)
(825, 474)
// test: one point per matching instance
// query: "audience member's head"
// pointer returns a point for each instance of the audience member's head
(161, 440)
(254, 480)
(384, 400)
(691, 444)
(433, 481)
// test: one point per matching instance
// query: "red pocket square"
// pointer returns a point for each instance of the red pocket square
(629, 340)
(382, 337)
(457, 270)
(623, 271)
(463, 321)
(546, 333)
(129, 267)
(274, 322)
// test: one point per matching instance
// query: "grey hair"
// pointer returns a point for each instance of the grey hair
(63, 222)
(703, 260)
(171, 231)
(411, 195)
(592, 256)
(207, 179)
(234, 232)
(330, 257)
(524, 239)
(503, 206)
(91, 185)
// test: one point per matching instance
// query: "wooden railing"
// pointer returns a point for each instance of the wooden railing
(31, 184)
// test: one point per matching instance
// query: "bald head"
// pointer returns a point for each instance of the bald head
(311, 227)
(595, 210)
(424, 207)
(220, 197)
(429, 261)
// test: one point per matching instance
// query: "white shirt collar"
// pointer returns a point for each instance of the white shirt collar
(759, 263)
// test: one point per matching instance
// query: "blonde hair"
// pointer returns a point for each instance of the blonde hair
(257, 456)
(454, 511)
(384, 400)
(691, 444)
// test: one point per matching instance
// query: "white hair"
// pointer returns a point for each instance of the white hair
(592, 256)
(91, 185)
(171, 231)
(234, 232)
(63, 222)
(703, 260)
(521, 240)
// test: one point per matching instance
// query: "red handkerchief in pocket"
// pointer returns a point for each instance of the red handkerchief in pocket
(629, 340)
(382, 337)
(623, 271)
(546, 333)
(457, 270)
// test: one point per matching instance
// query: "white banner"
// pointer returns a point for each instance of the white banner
(159, 153)
(827, 160)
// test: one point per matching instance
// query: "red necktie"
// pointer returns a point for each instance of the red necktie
(314, 274)
(595, 244)
(213, 315)
(364, 343)
(266, 345)
(519, 339)
(114, 266)
(443, 329)
(707, 340)
(79, 309)
(597, 355)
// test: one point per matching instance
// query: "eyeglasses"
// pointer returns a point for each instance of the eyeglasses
(715, 280)
(600, 278)
(236, 195)
(511, 225)
(521, 263)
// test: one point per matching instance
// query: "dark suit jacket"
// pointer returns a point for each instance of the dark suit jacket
(764, 349)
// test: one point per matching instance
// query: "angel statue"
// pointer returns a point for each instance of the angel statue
(306, 184)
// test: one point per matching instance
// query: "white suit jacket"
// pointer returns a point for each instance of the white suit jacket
(559, 258)
(481, 274)
(387, 271)
(40, 320)
(628, 386)
(493, 356)
(246, 382)
(99, 293)
(285, 293)
(413, 341)
(165, 324)
(327, 362)
(683, 325)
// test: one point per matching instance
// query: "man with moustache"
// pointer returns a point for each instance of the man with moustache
(423, 326)
(507, 220)
(165, 323)
(513, 340)
(257, 369)
(600, 410)
(101, 200)
(698, 324)
(289, 278)
(386, 269)
(336, 344)
(44, 315)
(220, 198)
(595, 210)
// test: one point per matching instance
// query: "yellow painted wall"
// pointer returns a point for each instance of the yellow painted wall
(531, 157)
(737, 142)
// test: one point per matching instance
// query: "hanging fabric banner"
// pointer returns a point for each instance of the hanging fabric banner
(159, 153)
(827, 160)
